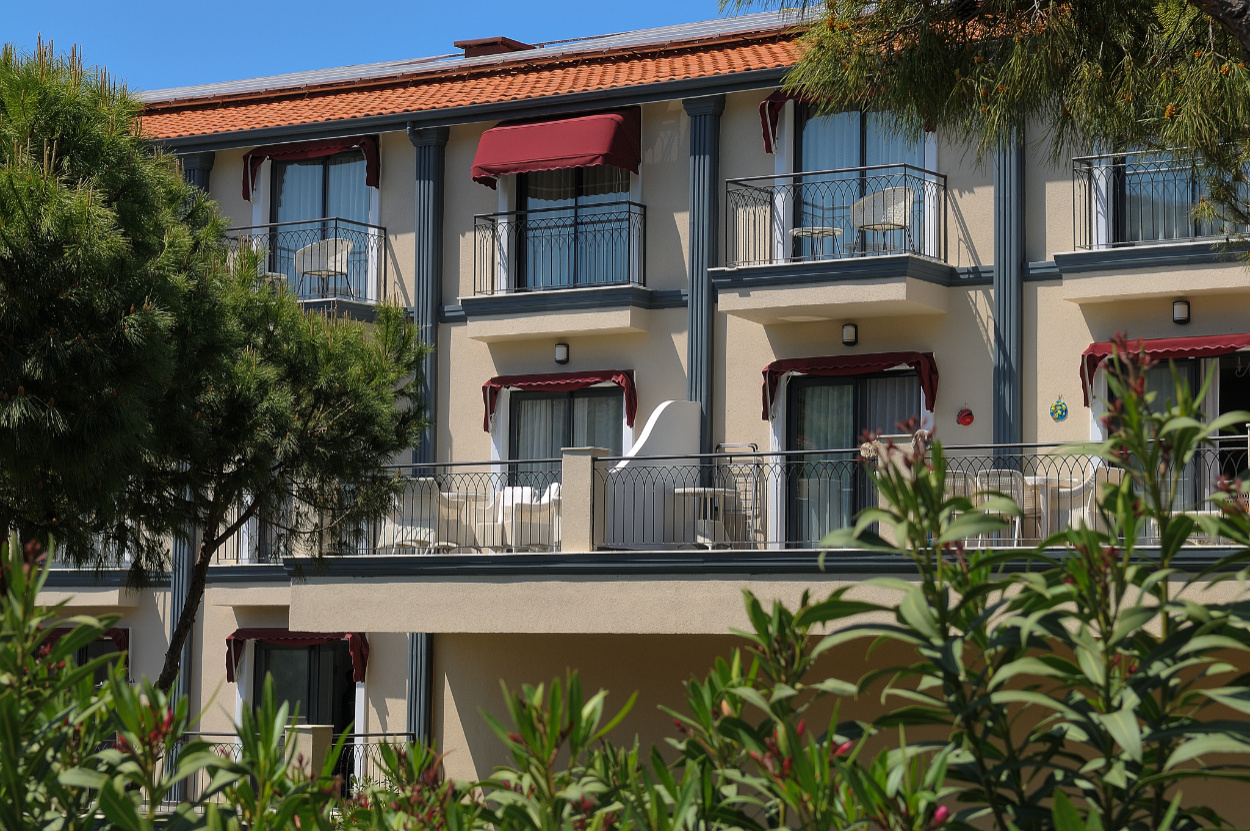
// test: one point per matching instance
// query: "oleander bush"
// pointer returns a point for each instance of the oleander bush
(1084, 684)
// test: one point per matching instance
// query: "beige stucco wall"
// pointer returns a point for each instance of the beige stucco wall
(664, 183)
(959, 339)
(689, 604)
(397, 212)
(226, 183)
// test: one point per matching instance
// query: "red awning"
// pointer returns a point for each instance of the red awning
(357, 645)
(770, 116)
(120, 636)
(561, 382)
(607, 138)
(300, 150)
(1162, 349)
(844, 365)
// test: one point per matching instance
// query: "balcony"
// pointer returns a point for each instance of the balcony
(555, 272)
(332, 265)
(865, 241)
(559, 248)
(1139, 233)
(1130, 199)
(729, 501)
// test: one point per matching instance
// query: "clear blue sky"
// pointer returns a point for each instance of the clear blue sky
(152, 45)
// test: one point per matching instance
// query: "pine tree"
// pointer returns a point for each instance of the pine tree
(152, 385)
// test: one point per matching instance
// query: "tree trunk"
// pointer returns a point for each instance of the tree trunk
(190, 608)
(1233, 15)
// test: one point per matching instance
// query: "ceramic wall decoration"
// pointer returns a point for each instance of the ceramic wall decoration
(1059, 410)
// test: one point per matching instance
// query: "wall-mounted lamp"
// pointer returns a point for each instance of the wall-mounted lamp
(850, 334)
(1180, 311)
(562, 353)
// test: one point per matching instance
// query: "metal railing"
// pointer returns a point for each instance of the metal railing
(321, 259)
(1122, 199)
(835, 214)
(474, 507)
(559, 248)
(361, 761)
(793, 499)
(225, 745)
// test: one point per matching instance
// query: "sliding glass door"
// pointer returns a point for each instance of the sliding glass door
(828, 417)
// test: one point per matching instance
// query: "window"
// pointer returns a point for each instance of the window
(98, 649)
(335, 254)
(543, 424)
(866, 192)
(333, 186)
(576, 228)
(316, 679)
(826, 489)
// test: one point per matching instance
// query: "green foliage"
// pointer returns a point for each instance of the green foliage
(1083, 74)
(150, 381)
(104, 253)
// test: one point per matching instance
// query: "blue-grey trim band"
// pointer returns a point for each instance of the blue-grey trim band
(1170, 255)
(564, 300)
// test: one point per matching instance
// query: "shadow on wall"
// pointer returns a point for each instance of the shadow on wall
(468, 669)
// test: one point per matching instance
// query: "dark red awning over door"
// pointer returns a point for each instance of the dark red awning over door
(844, 365)
(604, 139)
(770, 116)
(357, 645)
(1161, 349)
(561, 382)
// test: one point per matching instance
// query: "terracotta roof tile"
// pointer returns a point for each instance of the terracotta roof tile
(430, 91)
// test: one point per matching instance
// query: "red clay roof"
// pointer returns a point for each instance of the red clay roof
(515, 80)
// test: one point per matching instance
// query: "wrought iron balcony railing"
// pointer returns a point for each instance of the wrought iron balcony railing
(1122, 199)
(734, 500)
(835, 214)
(559, 248)
(321, 259)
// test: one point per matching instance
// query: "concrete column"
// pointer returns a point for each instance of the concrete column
(1009, 290)
(431, 147)
(581, 499)
(420, 685)
(705, 185)
(196, 167)
(312, 742)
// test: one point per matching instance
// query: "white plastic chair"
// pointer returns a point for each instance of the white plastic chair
(1009, 483)
(324, 259)
(885, 210)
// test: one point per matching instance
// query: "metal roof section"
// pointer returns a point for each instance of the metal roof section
(681, 33)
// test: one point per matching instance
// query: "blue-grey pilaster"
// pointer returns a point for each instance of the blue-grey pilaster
(705, 185)
(181, 554)
(431, 146)
(1009, 290)
(196, 167)
(420, 684)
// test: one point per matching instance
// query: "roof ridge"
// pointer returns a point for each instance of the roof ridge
(782, 24)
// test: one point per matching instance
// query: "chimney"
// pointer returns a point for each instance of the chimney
(491, 46)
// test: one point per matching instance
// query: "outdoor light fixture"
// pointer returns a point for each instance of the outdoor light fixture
(562, 353)
(1180, 311)
(850, 334)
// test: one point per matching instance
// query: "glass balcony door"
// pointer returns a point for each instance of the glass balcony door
(543, 424)
(573, 229)
(826, 489)
(854, 143)
(307, 193)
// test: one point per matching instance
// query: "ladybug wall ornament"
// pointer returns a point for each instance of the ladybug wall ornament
(1059, 410)
(964, 417)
